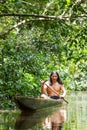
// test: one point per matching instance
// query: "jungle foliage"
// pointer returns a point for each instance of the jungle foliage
(38, 37)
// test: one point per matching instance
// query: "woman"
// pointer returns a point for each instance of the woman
(53, 88)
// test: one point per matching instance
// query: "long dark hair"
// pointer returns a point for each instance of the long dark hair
(58, 79)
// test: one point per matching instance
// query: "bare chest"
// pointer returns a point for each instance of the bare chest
(57, 87)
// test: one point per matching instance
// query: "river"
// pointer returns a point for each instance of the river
(70, 116)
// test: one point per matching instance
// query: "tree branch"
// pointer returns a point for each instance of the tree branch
(41, 17)
(38, 18)
(6, 33)
(32, 15)
(3, 36)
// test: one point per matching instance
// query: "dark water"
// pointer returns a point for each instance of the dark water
(68, 117)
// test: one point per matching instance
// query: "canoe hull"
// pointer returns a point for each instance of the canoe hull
(28, 103)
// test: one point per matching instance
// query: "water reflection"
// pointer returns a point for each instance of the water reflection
(52, 118)
(24, 121)
(56, 120)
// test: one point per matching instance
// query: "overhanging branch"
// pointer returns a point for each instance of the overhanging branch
(38, 18)
(30, 15)
(41, 16)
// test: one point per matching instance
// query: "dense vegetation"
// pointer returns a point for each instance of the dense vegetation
(38, 37)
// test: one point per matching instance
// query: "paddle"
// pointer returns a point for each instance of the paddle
(55, 92)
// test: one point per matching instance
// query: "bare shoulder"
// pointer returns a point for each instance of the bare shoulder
(47, 82)
(62, 86)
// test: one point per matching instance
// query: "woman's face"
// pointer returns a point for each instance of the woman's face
(54, 77)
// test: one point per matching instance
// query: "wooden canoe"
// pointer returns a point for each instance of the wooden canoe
(29, 103)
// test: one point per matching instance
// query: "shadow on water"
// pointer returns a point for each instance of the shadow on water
(52, 118)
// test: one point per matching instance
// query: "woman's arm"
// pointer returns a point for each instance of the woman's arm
(44, 90)
(63, 91)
